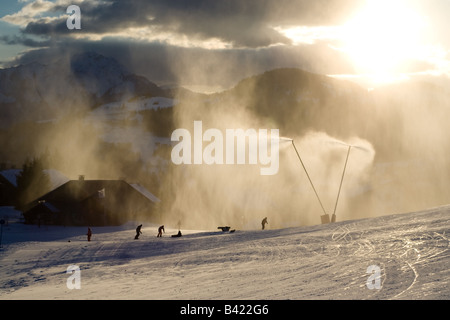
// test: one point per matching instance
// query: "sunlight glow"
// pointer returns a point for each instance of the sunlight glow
(381, 37)
(309, 34)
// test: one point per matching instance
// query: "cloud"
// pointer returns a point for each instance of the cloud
(248, 35)
(195, 41)
(23, 40)
(192, 66)
(234, 22)
(29, 13)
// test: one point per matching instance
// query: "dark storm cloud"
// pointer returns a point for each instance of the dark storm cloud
(248, 26)
(241, 23)
(44, 28)
(22, 40)
(196, 66)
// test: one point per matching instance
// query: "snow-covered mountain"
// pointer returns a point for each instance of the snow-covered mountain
(37, 92)
(124, 122)
(96, 73)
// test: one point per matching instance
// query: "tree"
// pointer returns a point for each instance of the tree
(32, 182)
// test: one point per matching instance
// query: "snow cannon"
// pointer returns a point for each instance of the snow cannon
(325, 218)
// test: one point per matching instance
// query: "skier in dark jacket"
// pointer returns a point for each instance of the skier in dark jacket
(138, 231)
(89, 234)
(264, 222)
(160, 231)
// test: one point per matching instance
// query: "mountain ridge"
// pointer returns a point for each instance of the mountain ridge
(55, 89)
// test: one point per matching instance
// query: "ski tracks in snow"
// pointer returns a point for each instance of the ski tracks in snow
(320, 262)
(402, 257)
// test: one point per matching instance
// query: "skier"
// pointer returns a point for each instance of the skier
(264, 222)
(177, 235)
(160, 230)
(138, 231)
(89, 234)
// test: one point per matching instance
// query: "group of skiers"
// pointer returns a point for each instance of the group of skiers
(161, 230)
(159, 235)
(138, 232)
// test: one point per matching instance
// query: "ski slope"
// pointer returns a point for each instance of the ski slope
(315, 262)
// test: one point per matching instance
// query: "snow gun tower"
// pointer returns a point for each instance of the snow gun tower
(325, 218)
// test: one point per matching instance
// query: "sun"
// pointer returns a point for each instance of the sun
(381, 37)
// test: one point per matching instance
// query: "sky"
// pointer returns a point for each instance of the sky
(210, 45)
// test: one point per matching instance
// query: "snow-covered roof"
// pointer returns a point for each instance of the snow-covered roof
(56, 178)
(51, 207)
(11, 175)
(145, 192)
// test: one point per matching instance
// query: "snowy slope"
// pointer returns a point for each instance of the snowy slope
(316, 262)
(121, 110)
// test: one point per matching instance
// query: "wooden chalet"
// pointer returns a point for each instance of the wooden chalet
(94, 203)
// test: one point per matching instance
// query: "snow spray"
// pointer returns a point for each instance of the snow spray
(325, 218)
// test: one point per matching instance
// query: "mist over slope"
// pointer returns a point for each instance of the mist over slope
(401, 163)
(96, 118)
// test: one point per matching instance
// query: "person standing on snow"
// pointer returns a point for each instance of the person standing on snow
(138, 231)
(89, 234)
(160, 230)
(264, 222)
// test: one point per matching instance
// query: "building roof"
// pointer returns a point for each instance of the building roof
(80, 190)
(145, 192)
(94, 202)
(11, 175)
(51, 207)
(56, 178)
